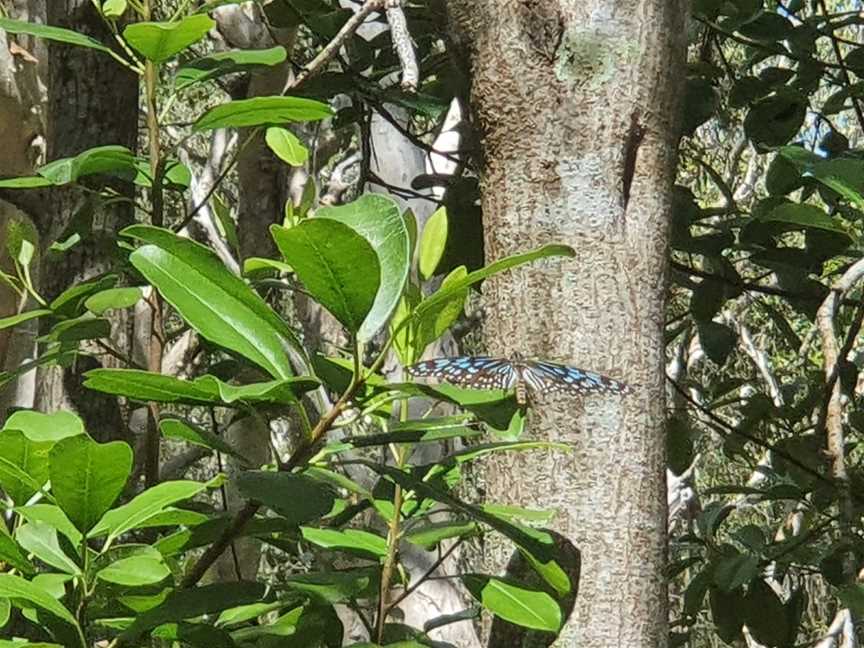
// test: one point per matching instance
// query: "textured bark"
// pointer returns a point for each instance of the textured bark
(575, 102)
(92, 101)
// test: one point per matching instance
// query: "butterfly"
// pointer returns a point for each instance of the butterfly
(483, 372)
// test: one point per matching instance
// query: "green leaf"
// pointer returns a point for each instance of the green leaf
(351, 540)
(513, 603)
(53, 516)
(143, 507)
(148, 386)
(14, 320)
(433, 242)
(38, 426)
(52, 33)
(85, 327)
(40, 539)
(717, 339)
(445, 294)
(172, 428)
(732, 572)
(200, 635)
(852, 597)
(336, 265)
(113, 8)
(803, 216)
(775, 120)
(433, 323)
(765, 615)
(160, 41)
(87, 477)
(69, 303)
(116, 161)
(20, 590)
(335, 587)
(286, 146)
(377, 218)
(11, 554)
(194, 602)
(297, 498)
(25, 182)
(23, 465)
(727, 611)
(145, 567)
(212, 300)
(112, 299)
(222, 63)
(262, 111)
(430, 534)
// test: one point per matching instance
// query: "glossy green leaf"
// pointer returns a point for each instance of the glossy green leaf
(145, 567)
(262, 111)
(843, 176)
(351, 540)
(212, 300)
(112, 299)
(172, 428)
(40, 539)
(433, 242)
(430, 534)
(52, 33)
(201, 635)
(25, 182)
(717, 339)
(297, 498)
(336, 265)
(194, 602)
(144, 506)
(434, 322)
(377, 218)
(14, 320)
(12, 555)
(38, 426)
(87, 477)
(148, 386)
(335, 587)
(176, 175)
(86, 327)
(775, 120)
(116, 161)
(21, 590)
(23, 465)
(221, 63)
(53, 516)
(727, 612)
(765, 616)
(286, 146)
(70, 302)
(525, 607)
(445, 294)
(803, 216)
(113, 8)
(160, 41)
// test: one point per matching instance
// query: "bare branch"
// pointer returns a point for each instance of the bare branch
(403, 45)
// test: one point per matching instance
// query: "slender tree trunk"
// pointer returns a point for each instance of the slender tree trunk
(576, 105)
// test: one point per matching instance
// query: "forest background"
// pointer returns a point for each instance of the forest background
(227, 226)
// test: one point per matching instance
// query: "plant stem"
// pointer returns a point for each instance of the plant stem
(156, 342)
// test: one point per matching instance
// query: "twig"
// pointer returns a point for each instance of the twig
(402, 44)
(410, 590)
(332, 48)
(832, 412)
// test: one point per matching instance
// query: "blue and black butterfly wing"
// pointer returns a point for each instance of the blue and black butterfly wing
(551, 378)
(476, 372)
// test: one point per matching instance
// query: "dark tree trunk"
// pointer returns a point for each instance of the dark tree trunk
(92, 101)
(576, 105)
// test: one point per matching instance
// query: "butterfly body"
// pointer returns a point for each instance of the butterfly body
(525, 376)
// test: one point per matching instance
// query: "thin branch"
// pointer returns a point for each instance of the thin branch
(402, 44)
(332, 48)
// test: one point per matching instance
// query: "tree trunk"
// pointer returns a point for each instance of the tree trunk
(576, 104)
(92, 101)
